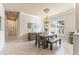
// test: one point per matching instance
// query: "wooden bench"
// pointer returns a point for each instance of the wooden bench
(51, 42)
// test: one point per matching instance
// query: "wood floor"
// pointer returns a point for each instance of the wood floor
(28, 48)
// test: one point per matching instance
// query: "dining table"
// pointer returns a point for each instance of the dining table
(46, 37)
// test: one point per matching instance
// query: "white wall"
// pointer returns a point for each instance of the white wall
(69, 26)
(25, 19)
(23, 24)
(69, 21)
(38, 21)
(2, 31)
(77, 17)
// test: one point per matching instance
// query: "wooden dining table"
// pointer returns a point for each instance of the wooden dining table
(46, 38)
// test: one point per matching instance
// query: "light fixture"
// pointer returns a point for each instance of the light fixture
(46, 19)
(46, 10)
(12, 17)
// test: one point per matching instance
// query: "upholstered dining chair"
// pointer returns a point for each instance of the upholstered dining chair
(39, 40)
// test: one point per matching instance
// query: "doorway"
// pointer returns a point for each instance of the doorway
(11, 20)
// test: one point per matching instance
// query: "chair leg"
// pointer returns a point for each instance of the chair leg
(38, 44)
(56, 42)
(35, 42)
(60, 41)
(51, 46)
(46, 44)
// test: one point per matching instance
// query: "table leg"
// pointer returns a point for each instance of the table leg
(60, 41)
(43, 45)
(35, 42)
(51, 46)
(46, 44)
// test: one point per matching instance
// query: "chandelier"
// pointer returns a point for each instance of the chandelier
(46, 10)
(46, 19)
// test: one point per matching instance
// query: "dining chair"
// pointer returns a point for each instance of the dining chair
(39, 40)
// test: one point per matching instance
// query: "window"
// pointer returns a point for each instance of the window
(58, 24)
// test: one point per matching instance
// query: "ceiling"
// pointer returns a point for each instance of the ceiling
(36, 9)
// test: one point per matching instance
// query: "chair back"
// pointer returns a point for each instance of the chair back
(53, 36)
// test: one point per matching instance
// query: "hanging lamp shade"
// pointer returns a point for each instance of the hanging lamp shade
(46, 19)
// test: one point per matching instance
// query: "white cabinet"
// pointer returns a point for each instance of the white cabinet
(76, 44)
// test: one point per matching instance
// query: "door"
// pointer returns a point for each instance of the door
(11, 27)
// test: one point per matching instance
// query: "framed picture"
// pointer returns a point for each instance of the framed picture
(29, 25)
(33, 26)
(0, 22)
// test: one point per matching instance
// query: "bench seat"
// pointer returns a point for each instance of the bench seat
(52, 41)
